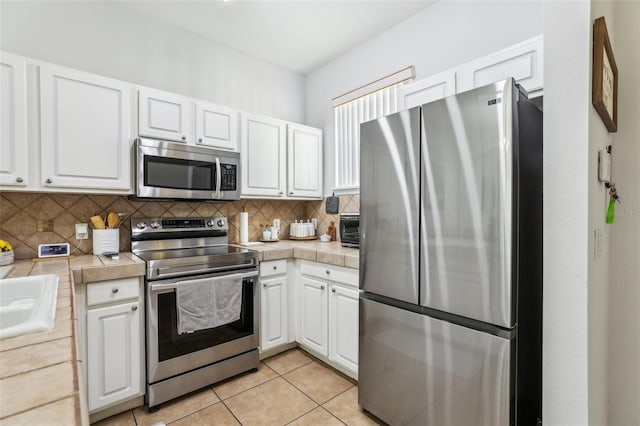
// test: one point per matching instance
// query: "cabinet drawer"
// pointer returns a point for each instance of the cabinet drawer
(330, 272)
(273, 267)
(113, 290)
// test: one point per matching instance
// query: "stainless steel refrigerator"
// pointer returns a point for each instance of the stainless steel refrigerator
(451, 261)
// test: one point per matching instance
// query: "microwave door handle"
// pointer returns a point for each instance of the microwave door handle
(218, 178)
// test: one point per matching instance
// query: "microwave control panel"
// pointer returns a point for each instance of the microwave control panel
(228, 174)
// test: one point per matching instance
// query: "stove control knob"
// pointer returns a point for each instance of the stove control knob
(220, 223)
(210, 223)
(141, 225)
(155, 225)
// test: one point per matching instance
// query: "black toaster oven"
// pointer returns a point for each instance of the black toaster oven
(350, 229)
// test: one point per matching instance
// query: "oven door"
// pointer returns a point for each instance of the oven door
(176, 171)
(170, 353)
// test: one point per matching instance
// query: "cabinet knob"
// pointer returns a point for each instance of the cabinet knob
(114, 290)
(49, 181)
(280, 193)
(184, 138)
(264, 285)
(290, 192)
(199, 139)
(327, 271)
(321, 287)
(134, 308)
(19, 180)
(275, 267)
(333, 290)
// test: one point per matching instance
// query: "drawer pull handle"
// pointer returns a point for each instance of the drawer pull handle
(134, 308)
(328, 271)
(114, 290)
(275, 267)
(321, 287)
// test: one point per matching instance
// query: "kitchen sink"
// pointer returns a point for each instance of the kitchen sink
(27, 304)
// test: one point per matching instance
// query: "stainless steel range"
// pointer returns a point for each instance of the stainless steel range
(202, 303)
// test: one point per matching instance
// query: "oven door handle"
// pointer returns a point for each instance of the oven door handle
(173, 285)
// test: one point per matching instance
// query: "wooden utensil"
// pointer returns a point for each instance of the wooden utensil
(112, 220)
(98, 222)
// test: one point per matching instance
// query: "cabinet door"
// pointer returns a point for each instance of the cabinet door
(427, 90)
(216, 126)
(343, 326)
(263, 156)
(85, 132)
(523, 62)
(273, 313)
(13, 121)
(113, 354)
(313, 314)
(163, 115)
(304, 161)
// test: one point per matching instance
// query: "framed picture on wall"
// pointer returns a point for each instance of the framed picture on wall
(604, 94)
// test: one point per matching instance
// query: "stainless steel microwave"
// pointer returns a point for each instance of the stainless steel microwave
(170, 170)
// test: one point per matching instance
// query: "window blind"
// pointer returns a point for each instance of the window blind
(348, 116)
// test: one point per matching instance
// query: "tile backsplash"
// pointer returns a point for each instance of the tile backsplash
(30, 219)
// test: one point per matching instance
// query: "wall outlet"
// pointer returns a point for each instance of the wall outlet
(276, 223)
(82, 231)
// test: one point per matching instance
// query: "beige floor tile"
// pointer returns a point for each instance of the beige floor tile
(215, 415)
(177, 408)
(122, 419)
(243, 382)
(345, 407)
(287, 361)
(273, 403)
(318, 382)
(319, 416)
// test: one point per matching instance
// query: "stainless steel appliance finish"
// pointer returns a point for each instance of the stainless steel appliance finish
(451, 261)
(183, 249)
(171, 170)
(350, 229)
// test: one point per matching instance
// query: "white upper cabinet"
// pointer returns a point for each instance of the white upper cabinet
(13, 121)
(85, 130)
(427, 90)
(304, 161)
(523, 62)
(216, 126)
(280, 159)
(164, 115)
(263, 156)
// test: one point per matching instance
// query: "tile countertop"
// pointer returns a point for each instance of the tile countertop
(38, 372)
(331, 252)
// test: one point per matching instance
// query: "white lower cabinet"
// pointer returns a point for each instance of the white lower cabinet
(328, 318)
(314, 315)
(274, 305)
(343, 326)
(111, 340)
(113, 352)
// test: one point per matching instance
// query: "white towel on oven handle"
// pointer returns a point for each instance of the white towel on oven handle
(208, 302)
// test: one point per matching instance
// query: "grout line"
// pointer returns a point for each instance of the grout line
(331, 399)
(303, 414)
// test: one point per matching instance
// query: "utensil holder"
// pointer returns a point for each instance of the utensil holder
(106, 240)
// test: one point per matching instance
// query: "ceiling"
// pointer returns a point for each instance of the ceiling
(299, 35)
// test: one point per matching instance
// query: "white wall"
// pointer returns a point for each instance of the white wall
(444, 35)
(109, 39)
(624, 285)
(566, 213)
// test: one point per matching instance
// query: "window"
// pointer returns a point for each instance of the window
(363, 104)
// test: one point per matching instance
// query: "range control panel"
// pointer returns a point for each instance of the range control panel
(146, 225)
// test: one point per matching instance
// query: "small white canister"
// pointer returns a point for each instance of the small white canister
(106, 241)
